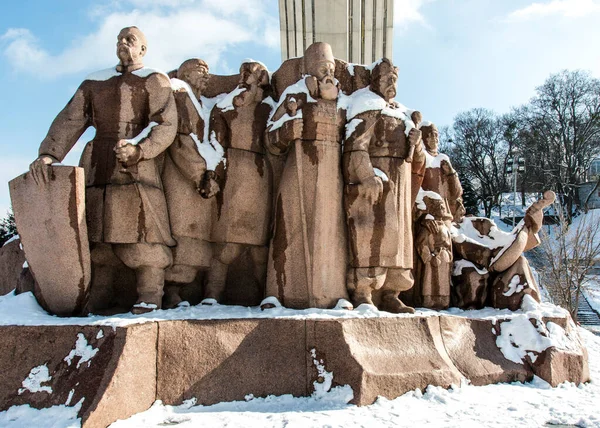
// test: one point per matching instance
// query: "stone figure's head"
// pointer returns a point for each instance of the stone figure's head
(195, 73)
(384, 78)
(131, 46)
(431, 137)
(437, 208)
(320, 63)
(254, 77)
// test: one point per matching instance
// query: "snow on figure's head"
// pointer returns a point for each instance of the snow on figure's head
(195, 73)
(384, 78)
(131, 46)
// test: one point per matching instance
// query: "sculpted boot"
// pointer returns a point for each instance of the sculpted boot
(391, 303)
(150, 283)
(215, 286)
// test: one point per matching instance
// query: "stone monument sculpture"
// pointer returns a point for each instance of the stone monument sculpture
(307, 257)
(433, 243)
(439, 175)
(382, 165)
(242, 213)
(133, 111)
(183, 176)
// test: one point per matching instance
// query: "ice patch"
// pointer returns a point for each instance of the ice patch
(82, 350)
(379, 173)
(459, 265)
(144, 134)
(226, 104)
(11, 239)
(34, 380)
(100, 334)
(351, 126)
(515, 286)
(435, 161)
(211, 151)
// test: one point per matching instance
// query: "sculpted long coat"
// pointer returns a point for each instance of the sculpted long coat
(189, 213)
(243, 206)
(446, 185)
(380, 235)
(307, 257)
(121, 207)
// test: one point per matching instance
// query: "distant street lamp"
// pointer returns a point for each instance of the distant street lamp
(515, 164)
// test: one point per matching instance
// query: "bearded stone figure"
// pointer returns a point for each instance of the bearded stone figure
(133, 111)
(383, 166)
(307, 256)
(241, 214)
(183, 177)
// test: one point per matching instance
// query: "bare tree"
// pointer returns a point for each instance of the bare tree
(479, 153)
(569, 253)
(561, 129)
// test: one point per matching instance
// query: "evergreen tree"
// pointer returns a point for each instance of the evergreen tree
(470, 199)
(8, 228)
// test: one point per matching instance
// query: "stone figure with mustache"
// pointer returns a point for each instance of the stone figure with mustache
(383, 170)
(307, 256)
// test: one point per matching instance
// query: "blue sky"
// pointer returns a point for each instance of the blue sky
(453, 54)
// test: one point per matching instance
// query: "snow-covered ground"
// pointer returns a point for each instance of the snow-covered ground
(592, 292)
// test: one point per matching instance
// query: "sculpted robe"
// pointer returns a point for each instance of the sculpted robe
(380, 235)
(446, 185)
(121, 207)
(307, 257)
(189, 213)
(243, 205)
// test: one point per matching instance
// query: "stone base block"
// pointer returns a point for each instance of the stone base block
(114, 373)
(110, 372)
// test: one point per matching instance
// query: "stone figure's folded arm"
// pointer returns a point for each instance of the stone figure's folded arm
(163, 112)
(186, 157)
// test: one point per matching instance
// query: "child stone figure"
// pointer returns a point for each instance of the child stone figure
(434, 247)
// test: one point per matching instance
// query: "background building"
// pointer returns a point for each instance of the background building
(359, 31)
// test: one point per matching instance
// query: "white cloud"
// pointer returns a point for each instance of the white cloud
(408, 12)
(175, 29)
(566, 8)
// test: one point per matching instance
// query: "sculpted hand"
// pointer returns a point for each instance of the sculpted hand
(127, 153)
(40, 169)
(372, 189)
(432, 226)
(446, 168)
(414, 137)
(209, 186)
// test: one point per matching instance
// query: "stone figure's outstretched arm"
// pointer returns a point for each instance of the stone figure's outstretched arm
(68, 126)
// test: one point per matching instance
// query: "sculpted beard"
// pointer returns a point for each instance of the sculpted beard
(328, 89)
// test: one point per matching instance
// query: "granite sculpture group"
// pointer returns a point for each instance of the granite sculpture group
(303, 188)
(312, 182)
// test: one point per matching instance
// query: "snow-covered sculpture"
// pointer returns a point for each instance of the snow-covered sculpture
(133, 111)
(242, 213)
(307, 257)
(433, 244)
(439, 175)
(183, 178)
(383, 163)
(479, 241)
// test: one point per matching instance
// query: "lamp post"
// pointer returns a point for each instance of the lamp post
(515, 165)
